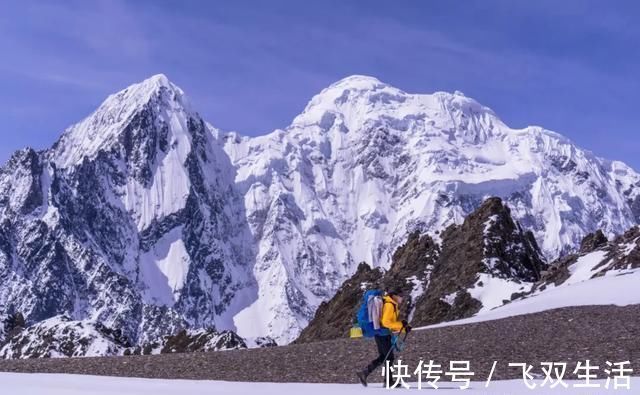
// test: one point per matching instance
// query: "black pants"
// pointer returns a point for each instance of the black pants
(384, 344)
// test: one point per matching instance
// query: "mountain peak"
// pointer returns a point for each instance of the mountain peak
(155, 83)
(140, 93)
(356, 81)
(355, 95)
(355, 100)
(156, 94)
(159, 78)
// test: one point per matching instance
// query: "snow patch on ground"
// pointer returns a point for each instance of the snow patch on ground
(582, 270)
(493, 291)
(417, 289)
(450, 298)
(488, 224)
(628, 248)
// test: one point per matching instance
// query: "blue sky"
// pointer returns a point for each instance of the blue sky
(251, 66)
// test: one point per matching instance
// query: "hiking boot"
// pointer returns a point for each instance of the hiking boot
(362, 376)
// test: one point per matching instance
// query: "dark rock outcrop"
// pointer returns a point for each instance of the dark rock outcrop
(593, 241)
(635, 208)
(489, 241)
(624, 250)
(11, 326)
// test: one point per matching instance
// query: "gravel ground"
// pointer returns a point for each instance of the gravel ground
(597, 333)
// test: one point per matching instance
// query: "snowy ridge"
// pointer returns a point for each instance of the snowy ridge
(611, 289)
(191, 340)
(59, 337)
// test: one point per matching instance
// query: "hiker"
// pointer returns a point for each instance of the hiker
(384, 340)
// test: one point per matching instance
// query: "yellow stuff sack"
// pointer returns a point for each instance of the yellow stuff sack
(355, 332)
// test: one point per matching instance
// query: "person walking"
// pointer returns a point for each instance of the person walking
(384, 340)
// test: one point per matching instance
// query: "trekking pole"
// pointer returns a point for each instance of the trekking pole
(393, 345)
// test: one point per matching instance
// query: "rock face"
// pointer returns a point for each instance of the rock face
(146, 219)
(483, 261)
(478, 265)
(11, 326)
(593, 241)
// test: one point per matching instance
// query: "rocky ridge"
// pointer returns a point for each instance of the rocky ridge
(489, 251)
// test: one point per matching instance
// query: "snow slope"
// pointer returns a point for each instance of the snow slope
(40, 384)
(614, 289)
(590, 282)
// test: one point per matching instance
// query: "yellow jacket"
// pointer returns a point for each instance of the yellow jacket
(390, 315)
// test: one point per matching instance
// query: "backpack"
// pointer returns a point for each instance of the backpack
(367, 320)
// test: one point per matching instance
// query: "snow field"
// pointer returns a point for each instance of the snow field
(42, 384)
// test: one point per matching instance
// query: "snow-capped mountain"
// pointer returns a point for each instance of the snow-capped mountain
(367, 164)
(145, 218)
(130, 220)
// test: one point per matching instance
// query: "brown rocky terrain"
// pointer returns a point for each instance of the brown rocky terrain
(488, 241)
(597, 333)
(334, 317)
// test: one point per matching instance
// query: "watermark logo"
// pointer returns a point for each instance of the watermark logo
(432, 374)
